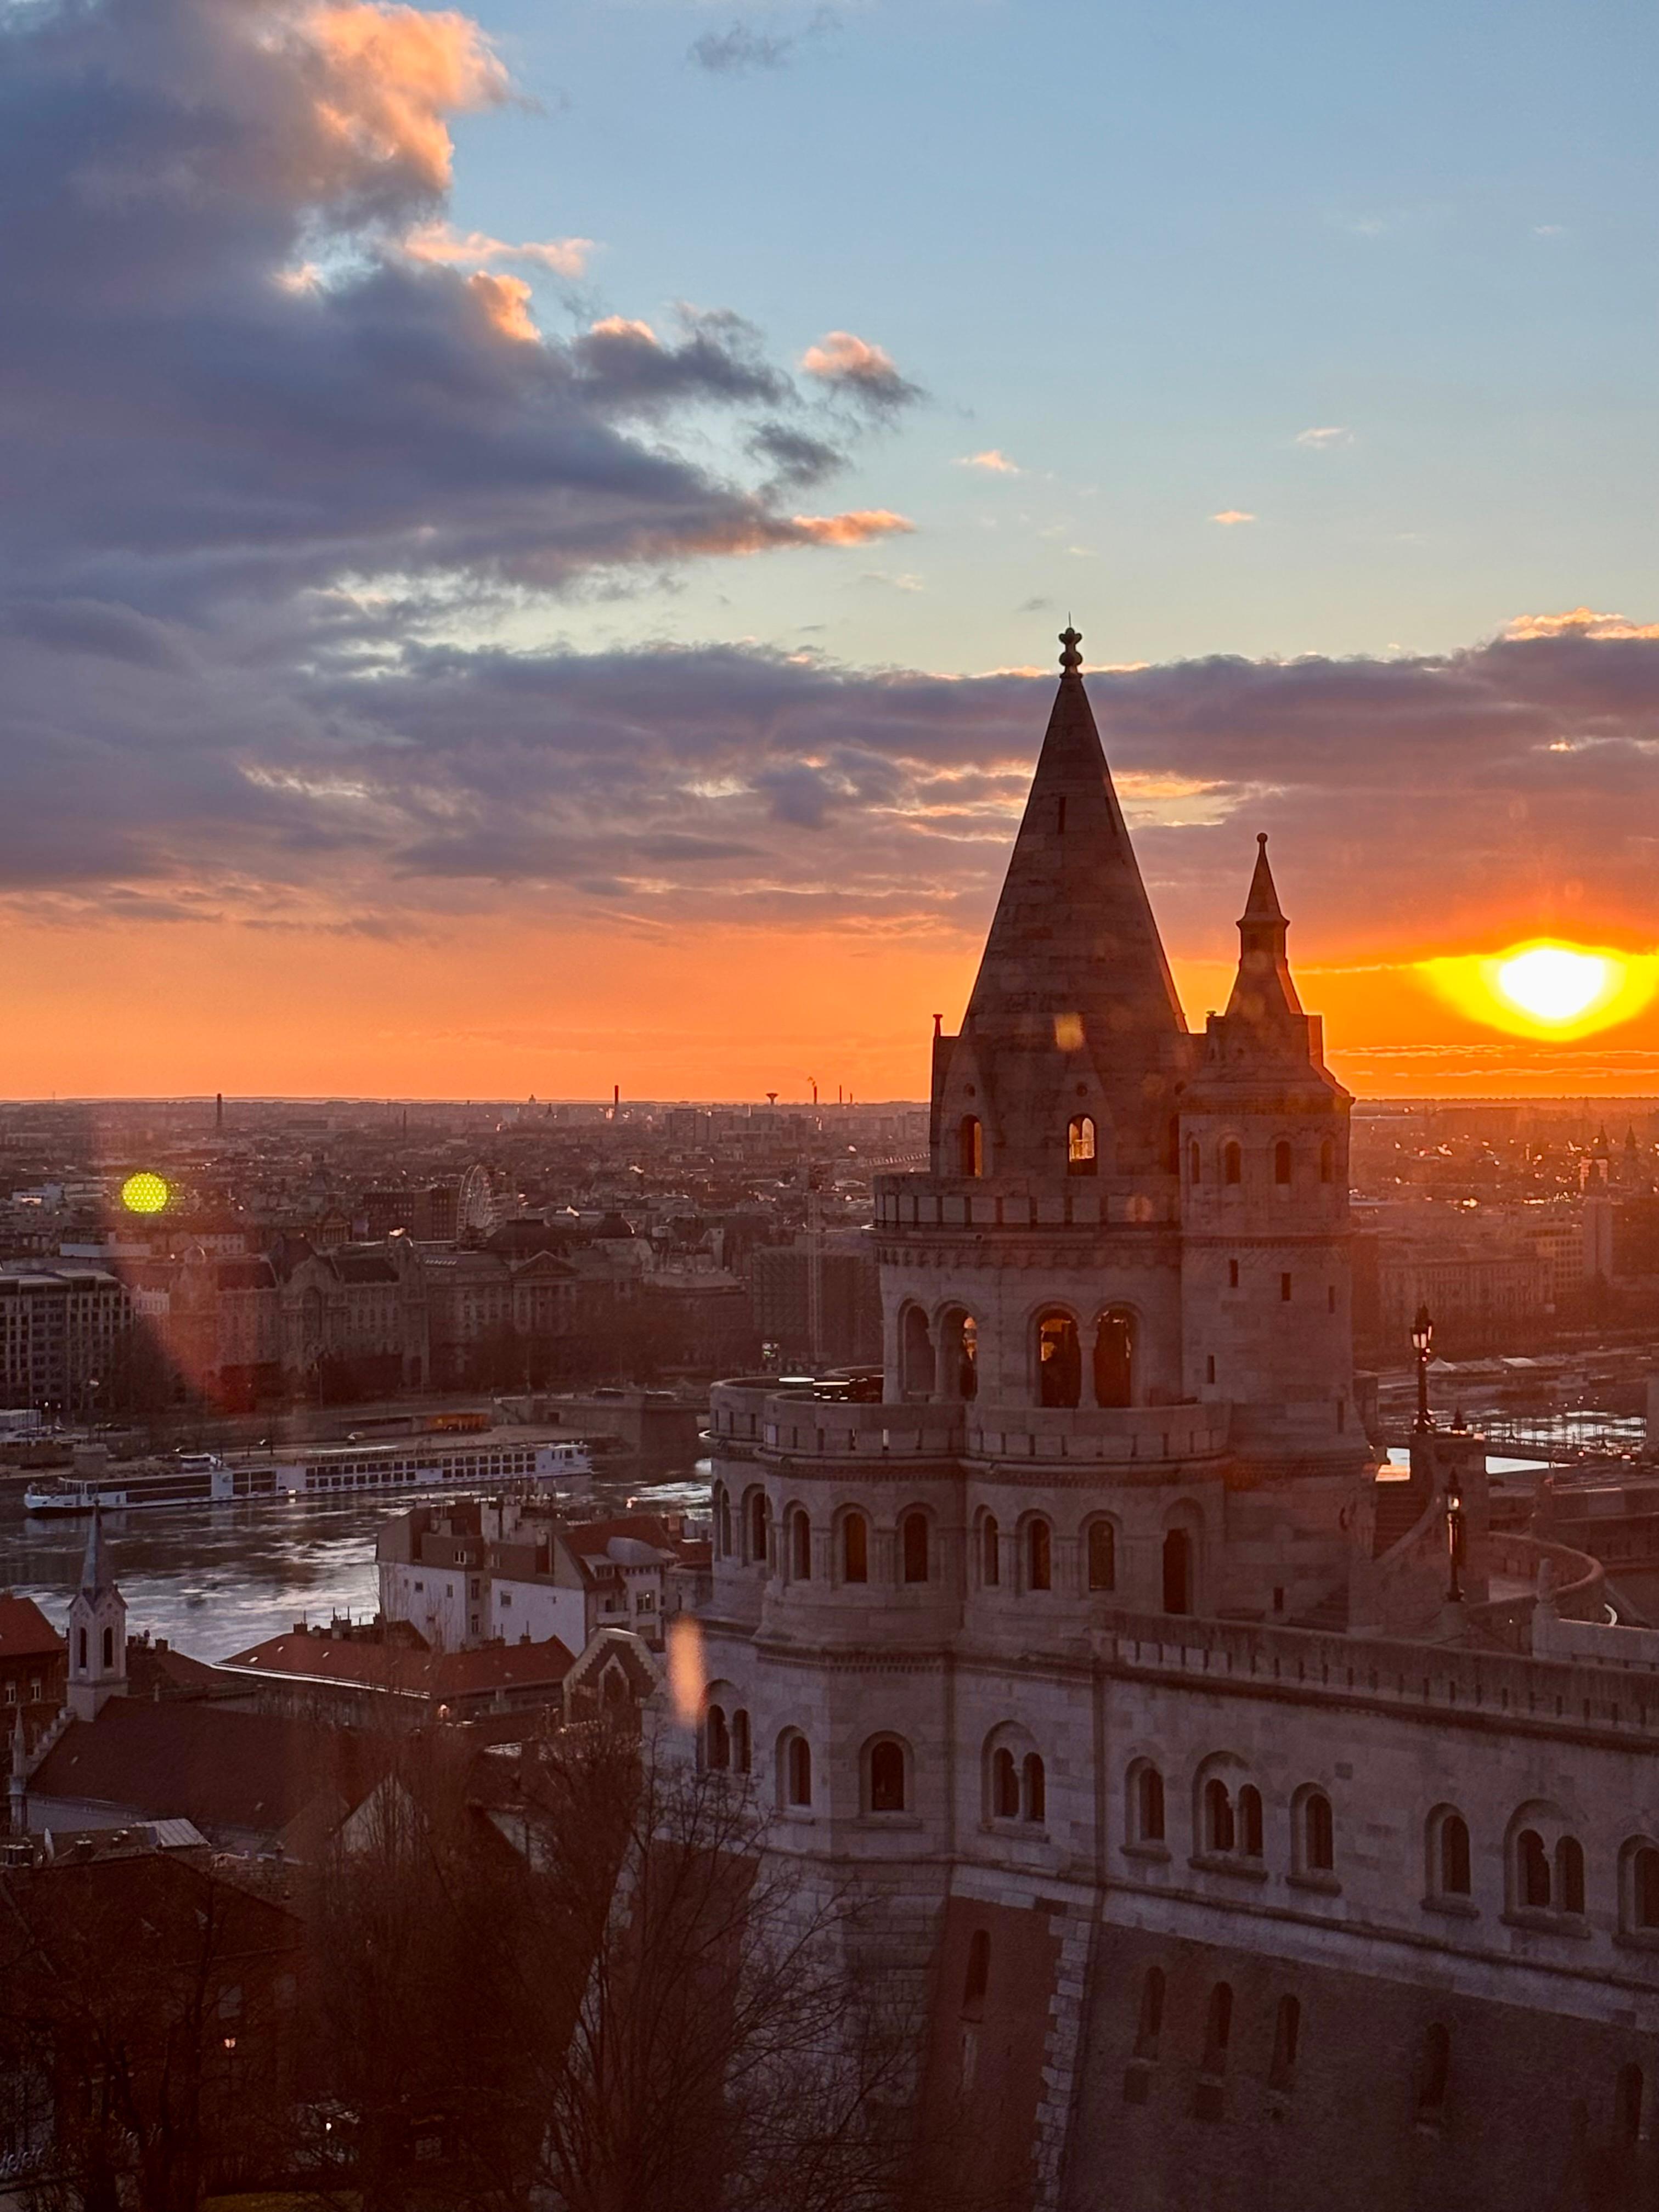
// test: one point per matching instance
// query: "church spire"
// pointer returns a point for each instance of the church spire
(92, 1566)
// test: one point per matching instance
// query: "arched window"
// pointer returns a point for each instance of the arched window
(1218, 2026)
(1569, 1876)
(855, 1549)
(915, 1353)
(1327, 1161)
(1177, 1571)
(977, 1979)
(913, 1543)
(800, 1546)
(1249, 1822)
(1287, 2033)
(958, 1352)
(797, 1769)
(1039, 1554)
(1532, 1869)
(990, 1552)
(109, 1649)
(1059, 1362)
(722, 1523)
(1232, 1161)
(1627, 2105)
(716, 1741)
(1102, 1556)
(1114, 1357)
(760, 1526)
(1004, 1786)
(1080, 1145)
(1150, 2025)
(81, 1648)
(741, 1755)
(1318, 1833)
(1449, 1854)
(1146, 1803)
(1194, 1164)
(1034, 1798)
(970, 1146)
(1282, 1164)
(1641, 1887)
(1434, 2074)
(886, 1777)
(1218, 1816)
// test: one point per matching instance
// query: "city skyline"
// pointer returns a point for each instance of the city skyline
(442, 663)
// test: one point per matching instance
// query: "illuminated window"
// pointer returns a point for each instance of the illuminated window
(1080, 1145)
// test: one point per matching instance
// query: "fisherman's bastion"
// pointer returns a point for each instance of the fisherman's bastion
(1259, 1830)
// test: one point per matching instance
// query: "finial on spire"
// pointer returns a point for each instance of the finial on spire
(1071, 660)
(1261, 839)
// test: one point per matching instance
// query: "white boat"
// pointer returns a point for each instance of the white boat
(191, 1478)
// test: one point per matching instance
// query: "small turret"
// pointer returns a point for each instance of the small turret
(97, 1633)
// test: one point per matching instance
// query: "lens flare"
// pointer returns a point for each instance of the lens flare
(1546, 988)
(144, 1192)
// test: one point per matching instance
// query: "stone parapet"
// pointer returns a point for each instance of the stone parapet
(1503, 1690)
(1117, 1435)
(926, 1202)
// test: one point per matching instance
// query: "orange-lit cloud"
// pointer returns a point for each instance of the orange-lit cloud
(475, 249)
(852, 364)
(1231, 517)
(389, 75)
(993, 462)
(1578, 622)
(506, 302)
(857, 527)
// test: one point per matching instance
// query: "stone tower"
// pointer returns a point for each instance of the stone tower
(97, 1634)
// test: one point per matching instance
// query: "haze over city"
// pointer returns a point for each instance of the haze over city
(513, 589)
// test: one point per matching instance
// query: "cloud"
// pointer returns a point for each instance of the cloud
(852, 365)
(742, 48)
(857, 528)
(1229, 517)
(475, 249)
(995, 464)
(1333, 434)
(251, 363)
(1579, 622)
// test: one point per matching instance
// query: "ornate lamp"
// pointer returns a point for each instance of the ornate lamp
(1423, 1345)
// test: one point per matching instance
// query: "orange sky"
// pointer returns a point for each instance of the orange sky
(497, 1008)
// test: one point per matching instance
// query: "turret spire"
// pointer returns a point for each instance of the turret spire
(92, 1566)
(1073, 1009)
(1263, 992)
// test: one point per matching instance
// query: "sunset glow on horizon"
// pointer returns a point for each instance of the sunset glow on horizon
(1546, 988)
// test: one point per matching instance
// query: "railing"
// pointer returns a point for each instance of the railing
(1413, 1677)
(1117, 1435)
(927, 1202)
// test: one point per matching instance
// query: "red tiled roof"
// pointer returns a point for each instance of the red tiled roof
(223, 1769)
(25, 1632)
(589, 1539)
(379, 1666)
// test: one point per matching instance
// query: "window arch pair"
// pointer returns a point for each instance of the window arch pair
(1227, 1814)
(1016, 1783)
(1081, 1145)
(915, 1547)
(725, 1745)
(1544, 1870)
(1060, 1357)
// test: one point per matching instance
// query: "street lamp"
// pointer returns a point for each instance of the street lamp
(1454, 1534)
(1423, 1344)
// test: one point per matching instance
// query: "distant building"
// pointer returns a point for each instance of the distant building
(61, 1328)
(845, 1330)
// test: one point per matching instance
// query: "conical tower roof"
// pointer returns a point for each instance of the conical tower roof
(94, 1574)
(1263, 992)
(1073, 983)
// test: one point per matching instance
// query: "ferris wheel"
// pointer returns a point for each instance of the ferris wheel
(474, 1207)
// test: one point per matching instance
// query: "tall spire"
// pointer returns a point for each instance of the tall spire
(92, 1566)
(1073, 986)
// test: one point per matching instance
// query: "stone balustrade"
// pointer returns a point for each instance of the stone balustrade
(1022, 1202)
(1118, 1436)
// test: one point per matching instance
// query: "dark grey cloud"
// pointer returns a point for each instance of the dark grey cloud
(226, 379)
(742, 48)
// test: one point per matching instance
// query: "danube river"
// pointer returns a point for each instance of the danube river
(214, 1579)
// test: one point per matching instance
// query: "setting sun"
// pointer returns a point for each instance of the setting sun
(1546, 989)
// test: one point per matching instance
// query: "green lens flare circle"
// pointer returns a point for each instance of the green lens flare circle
(144, 1192)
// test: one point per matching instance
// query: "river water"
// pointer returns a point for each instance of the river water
(215, 1579)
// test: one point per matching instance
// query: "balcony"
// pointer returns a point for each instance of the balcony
(802, 1423)
(1119, 1437)
(904, 1202)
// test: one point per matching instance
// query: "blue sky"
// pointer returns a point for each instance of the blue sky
(1140, 251)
